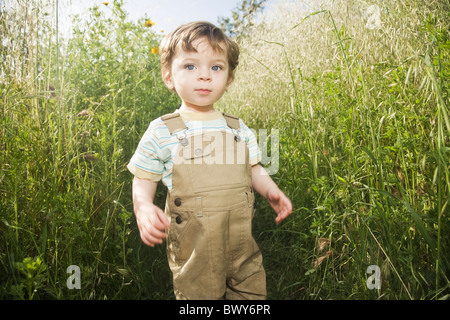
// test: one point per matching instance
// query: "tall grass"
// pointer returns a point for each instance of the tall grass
(72, 113)
(358, 91)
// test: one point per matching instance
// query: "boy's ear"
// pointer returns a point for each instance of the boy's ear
(230, 80)
(167, 78)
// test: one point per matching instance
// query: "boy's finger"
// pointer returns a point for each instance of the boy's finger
(284, 211)
(151, 241)
(153, 234)
(157, 222)
(163, 218)
(157, 234)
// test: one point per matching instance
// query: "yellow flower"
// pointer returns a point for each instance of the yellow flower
(149, 23)
(155, 50)
(105, 3)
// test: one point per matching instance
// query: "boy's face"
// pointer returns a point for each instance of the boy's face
(199, 78)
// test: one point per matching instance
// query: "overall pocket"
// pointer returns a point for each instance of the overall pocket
(184, 235)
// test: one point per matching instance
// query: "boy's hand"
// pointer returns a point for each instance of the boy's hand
(280, 203)
(151, 220)
(152, 223)
(265, 186)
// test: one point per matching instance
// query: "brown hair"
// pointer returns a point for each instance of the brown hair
(183, 37)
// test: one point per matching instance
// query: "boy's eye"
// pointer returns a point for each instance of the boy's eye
(190, 67)
(216, 68)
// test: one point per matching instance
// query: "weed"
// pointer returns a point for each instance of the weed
(362, 109)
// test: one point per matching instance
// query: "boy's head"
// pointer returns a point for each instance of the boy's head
(183, 38)
(198, 62)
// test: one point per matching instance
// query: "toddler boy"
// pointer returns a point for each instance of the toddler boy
(209, 162)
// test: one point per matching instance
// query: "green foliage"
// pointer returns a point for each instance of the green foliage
(68, 129)
(362, 115)
(32, 277)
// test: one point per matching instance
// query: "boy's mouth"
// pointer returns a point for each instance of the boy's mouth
(203, 91)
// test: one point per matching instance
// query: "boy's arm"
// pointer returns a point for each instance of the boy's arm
(151, 220)
(266, 187)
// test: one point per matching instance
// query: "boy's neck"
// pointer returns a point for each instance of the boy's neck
(207, 109)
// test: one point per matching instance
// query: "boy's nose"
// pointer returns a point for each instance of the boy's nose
(204, 75)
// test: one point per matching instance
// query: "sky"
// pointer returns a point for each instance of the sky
(167, 14)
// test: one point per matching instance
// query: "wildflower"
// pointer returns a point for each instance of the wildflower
(105, 3)
(149, 23)
(155, 50)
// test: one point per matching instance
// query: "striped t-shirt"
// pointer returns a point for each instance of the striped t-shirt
(155, 154)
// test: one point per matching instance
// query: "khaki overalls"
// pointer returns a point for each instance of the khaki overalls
(210, 247)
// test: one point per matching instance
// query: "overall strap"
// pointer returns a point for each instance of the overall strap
(232, 121)
(174, 122)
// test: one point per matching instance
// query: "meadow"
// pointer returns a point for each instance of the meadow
(359, 94)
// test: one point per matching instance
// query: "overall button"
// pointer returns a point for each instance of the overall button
(178, 219)
(177, 202)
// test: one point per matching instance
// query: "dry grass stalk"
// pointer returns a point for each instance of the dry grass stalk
(322, 243)
(319, 260)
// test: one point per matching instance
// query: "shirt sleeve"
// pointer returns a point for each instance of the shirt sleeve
(252, 144)
(146, 162)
